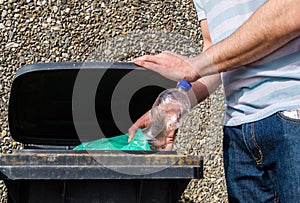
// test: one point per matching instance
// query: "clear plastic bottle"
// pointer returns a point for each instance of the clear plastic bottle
(167, 114)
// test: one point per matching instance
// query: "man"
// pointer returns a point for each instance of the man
(255, 45)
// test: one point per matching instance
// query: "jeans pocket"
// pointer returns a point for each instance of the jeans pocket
(251, 143)
(290, 115)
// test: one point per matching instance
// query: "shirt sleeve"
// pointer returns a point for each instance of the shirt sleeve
(200, 10)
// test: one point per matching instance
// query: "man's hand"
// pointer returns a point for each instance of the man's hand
(170, 65)
(144, 122)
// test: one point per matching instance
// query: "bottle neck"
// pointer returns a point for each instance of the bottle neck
(182, 90)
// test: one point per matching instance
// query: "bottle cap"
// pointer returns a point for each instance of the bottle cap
(185, 85)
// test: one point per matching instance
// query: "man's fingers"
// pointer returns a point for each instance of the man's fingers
(142, 122)
(148, 62)
(161, 69)
(131, 131)
(147, 58)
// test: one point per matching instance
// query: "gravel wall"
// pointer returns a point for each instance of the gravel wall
(33, 31)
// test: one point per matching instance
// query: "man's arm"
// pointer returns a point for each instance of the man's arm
(273, 25)
(205, 86)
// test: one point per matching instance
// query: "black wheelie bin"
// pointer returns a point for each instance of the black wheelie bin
(56, 106)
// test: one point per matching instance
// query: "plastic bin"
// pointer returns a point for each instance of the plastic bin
(50, 117)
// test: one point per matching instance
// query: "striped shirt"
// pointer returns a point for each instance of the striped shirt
(262, 88)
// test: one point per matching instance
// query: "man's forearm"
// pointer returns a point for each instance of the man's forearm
(203, 87)
(273, 25)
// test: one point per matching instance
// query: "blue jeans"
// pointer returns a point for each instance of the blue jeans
(262, 160)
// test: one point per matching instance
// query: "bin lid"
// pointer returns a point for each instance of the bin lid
(69, 103)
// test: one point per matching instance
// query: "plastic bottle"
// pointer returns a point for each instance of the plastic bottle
(167, 114)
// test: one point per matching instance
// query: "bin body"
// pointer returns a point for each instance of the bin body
(41, 115)
(110, 191)
(103, 176)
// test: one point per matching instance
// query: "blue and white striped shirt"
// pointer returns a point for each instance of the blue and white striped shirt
(260, 89)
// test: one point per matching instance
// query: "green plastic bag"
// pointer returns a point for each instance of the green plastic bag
(120, 142)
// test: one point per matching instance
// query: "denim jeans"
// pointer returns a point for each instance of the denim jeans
(262, 160)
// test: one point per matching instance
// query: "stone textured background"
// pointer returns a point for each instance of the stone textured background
(33, 31)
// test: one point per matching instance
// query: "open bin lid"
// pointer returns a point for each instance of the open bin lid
(48, 99)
